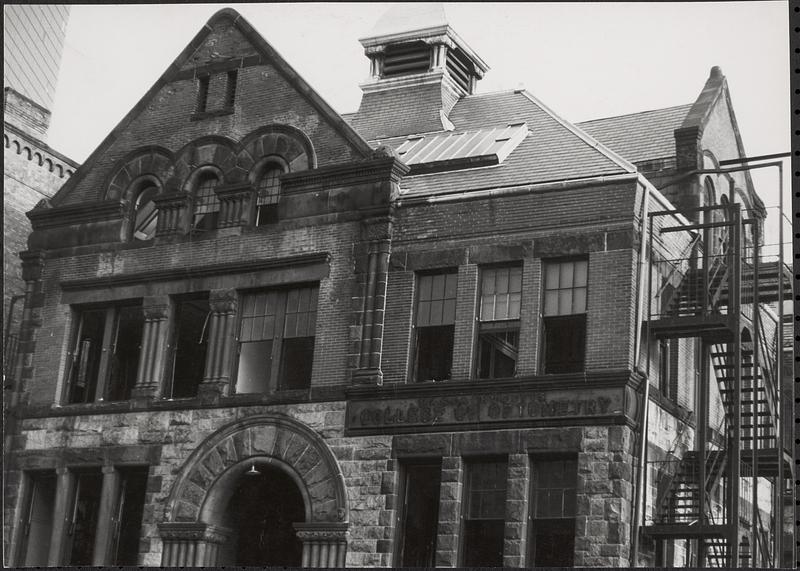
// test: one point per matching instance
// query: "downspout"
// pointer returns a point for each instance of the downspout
(640, 482)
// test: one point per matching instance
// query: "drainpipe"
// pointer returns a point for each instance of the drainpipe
(640, 482)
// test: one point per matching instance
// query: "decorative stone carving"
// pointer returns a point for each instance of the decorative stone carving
(237, 205)
(173, 209)
(222, 325)
(156, 312)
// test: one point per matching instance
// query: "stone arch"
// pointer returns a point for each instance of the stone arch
(155, 161)
(211, 150)
(274, 436)
(193, 528)
(284, 141)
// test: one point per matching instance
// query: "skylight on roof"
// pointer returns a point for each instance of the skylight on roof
(492, 144)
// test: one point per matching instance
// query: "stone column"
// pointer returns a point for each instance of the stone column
(324, 544)
(450, 496)
(173, 211)
(192, 544)
(516, 529)
(378, 233)
(65, 485)
(222, 324)
(106, 520)
(237, 205)
(153, 354)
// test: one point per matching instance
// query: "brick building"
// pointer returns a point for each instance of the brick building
(259, 332)
(33, 42)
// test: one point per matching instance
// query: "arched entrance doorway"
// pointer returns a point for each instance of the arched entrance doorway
(262, 511)
(217, 514)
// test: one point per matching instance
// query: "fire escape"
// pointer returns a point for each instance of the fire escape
(724, 495)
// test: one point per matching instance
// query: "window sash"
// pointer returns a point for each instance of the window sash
(269, 186)
(565, 287)
(501, 293)
(436, 299)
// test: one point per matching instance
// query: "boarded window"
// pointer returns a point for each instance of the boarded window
(565, 316)
(484, 514)
(552, 516)
(435, 319)
(420, 514)
(189, 346)
(276, 340)
(105, 355)
(206, 203)
(498, 337)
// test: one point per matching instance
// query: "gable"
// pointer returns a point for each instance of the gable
(246, 86)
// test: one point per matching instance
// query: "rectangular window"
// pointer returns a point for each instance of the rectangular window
(484, 514)
(435, 324)
(202, 93)
(498, 336)
(664, 367)
(565, 316)
(37, 523)
(127, 517)
(420, 514)
(230, 89)
(552, 515)
(189, 346)
(276, 340)
(82, 524)
(105, 354)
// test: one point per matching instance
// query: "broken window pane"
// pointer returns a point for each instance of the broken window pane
(145, 214)
(434, 353)
(564, 343)
(206, 203)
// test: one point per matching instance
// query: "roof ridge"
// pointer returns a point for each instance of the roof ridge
(687, 105)
(581, 134)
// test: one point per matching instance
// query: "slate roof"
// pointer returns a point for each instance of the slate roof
(641, 136)
(555, 150)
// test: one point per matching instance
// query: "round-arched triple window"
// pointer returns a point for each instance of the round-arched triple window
(145, 214)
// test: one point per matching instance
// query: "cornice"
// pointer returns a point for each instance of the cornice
(195, 272)
(86, 213)
(381, 169)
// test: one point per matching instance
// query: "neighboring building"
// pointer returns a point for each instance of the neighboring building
(33, 41)
(261, 333)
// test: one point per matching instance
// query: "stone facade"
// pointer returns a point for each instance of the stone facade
(343, 420)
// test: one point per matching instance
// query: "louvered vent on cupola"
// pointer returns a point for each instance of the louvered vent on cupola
(406, 59)
(460, 69)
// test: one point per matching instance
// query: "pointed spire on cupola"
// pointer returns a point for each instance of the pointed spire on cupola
(419, 68)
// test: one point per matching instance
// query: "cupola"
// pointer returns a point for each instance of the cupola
(419, 68)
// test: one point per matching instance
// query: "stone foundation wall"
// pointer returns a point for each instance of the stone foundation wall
(370, 466)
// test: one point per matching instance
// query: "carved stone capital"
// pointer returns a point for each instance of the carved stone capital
(368, 377)
(378, 228)
(155, 312)
(372, 51)
(193, 532)
(322, 531)
(223, 301)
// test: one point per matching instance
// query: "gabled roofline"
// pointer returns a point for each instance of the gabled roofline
(585, 137)
(265, 49)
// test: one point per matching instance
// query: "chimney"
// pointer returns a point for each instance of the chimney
(419, 69)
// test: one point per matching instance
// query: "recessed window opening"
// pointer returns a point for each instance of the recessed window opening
(460, 69)
(189, 346)
(37, 523)
(552, 515)
(276, 340)
(127, 515)
(83, 518)
(145, 214)
(484, 514)
(565, 316)
(420, 514)
(206, 203)
(230, 89)
(435, 326)
(202, 93)
(498, 336)
(269, 191)
(105, 355)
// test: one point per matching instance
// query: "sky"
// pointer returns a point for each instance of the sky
(583, 60)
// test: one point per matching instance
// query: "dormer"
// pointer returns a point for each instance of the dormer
(419, 68)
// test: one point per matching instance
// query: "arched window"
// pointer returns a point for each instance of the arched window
(268, 186)
(206, 204)
(145, 214)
